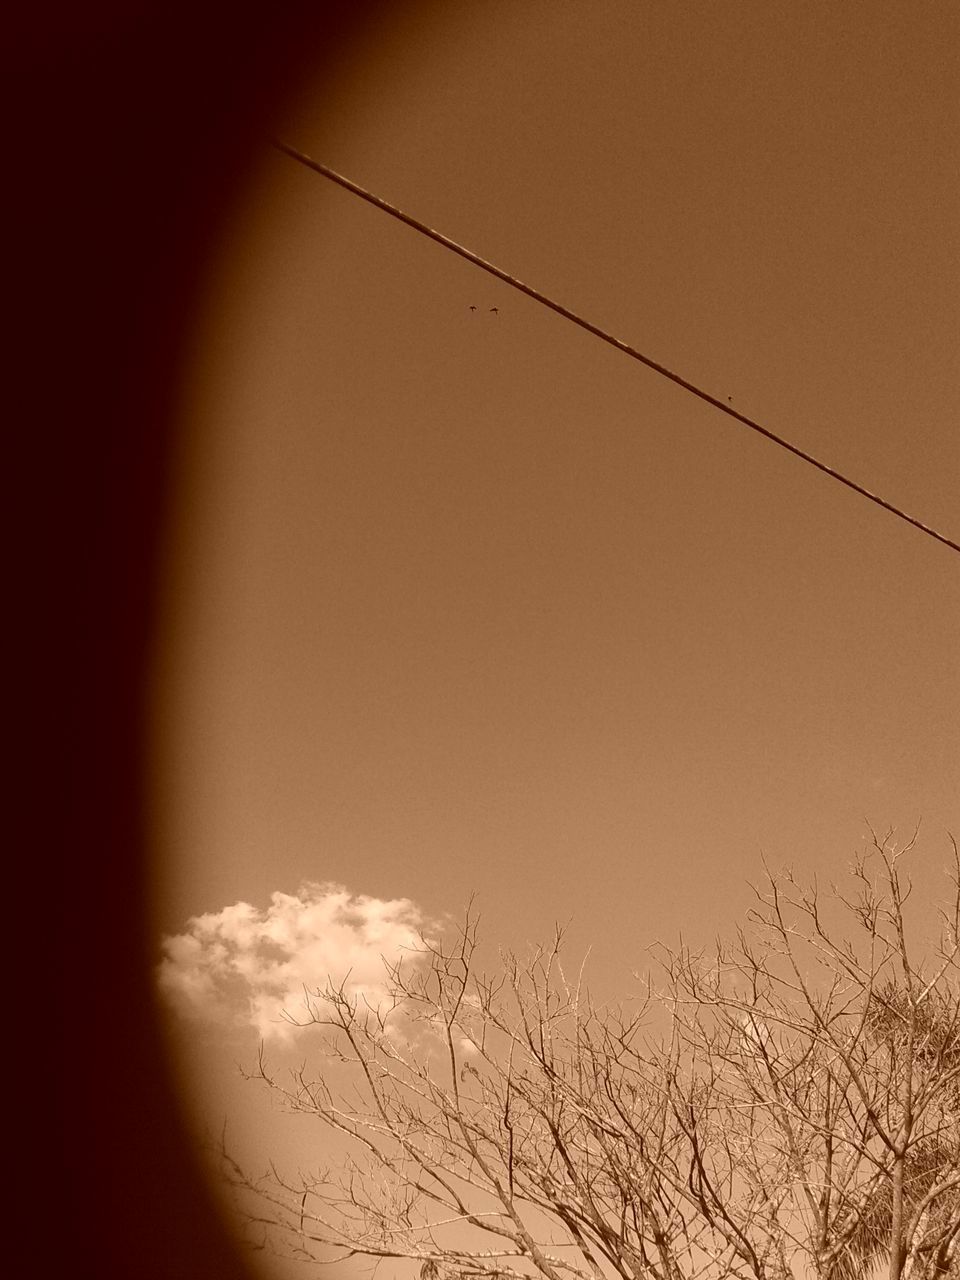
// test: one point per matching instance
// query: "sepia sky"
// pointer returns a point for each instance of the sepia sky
(469, 602)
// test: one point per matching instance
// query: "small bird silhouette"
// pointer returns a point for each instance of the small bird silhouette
(495, 310)
(472, 307)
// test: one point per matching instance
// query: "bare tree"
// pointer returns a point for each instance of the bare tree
(840, 1049)
(785, 1105)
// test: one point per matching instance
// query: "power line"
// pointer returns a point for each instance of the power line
(625, 347)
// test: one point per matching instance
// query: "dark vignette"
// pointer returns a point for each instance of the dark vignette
(133, 127)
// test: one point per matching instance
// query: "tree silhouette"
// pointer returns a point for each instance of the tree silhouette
(783, 1105)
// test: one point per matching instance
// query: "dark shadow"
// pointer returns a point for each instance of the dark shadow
(137, 126)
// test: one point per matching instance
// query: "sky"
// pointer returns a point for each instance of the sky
(466, 602)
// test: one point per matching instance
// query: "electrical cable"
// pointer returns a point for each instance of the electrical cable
(625, 347)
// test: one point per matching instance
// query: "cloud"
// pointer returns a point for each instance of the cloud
(246, 966)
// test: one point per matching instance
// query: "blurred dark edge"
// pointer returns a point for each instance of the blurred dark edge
(132, 128)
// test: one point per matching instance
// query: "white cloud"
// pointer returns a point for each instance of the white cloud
(757, 1037)
(248, 965)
